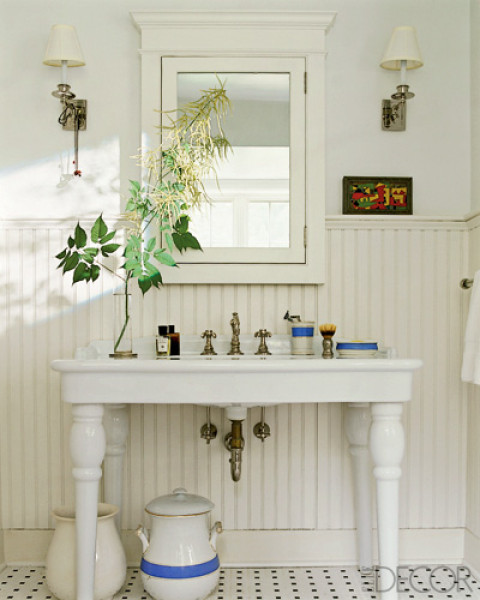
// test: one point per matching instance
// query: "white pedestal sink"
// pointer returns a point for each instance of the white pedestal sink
(373, 389)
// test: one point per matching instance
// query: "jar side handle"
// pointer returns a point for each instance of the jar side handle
(214, 531)
(143, 535)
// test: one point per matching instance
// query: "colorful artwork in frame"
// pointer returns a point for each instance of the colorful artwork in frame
(377, 195)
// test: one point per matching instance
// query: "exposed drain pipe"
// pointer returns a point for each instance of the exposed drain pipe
(234, 441)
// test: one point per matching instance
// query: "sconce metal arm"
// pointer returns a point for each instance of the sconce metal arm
(73, 117)
(394, 114)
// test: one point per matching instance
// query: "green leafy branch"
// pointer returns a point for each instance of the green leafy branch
(83, 259)
(182, 238)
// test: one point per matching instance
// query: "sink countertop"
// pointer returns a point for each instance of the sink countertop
(223, 380)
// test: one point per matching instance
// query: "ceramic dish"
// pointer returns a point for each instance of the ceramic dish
(356, 353)
(356, 349)
(357, 345)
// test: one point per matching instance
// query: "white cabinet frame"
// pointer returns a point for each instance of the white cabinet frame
(247, 35)
(295, 67)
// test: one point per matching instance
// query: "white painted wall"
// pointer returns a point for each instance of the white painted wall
(472, 540)
(435, 147)
(475, 102)
(434, 150)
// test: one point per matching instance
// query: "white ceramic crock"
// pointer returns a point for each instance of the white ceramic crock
(180, 560)
(302, 337)
(110, 563)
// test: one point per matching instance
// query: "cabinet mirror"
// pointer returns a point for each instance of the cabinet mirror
(257, 208)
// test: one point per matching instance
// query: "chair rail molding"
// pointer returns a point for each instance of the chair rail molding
(467, 222)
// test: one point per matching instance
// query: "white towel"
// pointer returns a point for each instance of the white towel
(471, 349)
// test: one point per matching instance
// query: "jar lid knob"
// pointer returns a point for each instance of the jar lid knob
(180, 491)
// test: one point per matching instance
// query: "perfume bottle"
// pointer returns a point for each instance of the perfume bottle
(162, 342)
(174, 338)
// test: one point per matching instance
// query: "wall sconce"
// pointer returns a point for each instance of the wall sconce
(402, 54)
(63, 50)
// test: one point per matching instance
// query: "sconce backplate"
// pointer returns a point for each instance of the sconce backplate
(81, 107)
(394, 115)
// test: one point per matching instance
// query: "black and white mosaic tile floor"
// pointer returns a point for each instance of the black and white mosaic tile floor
(319, 583)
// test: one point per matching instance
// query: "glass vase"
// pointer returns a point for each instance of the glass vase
(122, 326)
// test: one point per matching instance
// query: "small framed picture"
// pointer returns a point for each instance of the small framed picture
(377, 195)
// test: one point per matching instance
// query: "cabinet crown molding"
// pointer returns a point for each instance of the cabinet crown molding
(264, 19)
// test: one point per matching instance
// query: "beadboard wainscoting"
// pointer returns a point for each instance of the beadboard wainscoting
(393, 279)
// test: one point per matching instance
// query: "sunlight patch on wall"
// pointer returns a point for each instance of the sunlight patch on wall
(46, 189)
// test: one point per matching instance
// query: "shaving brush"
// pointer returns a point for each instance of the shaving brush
(328, 331)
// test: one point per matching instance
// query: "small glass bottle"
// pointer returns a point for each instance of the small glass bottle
(162, 342)
(174, 341)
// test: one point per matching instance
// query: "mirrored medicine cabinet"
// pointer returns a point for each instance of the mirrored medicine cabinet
(265, 222)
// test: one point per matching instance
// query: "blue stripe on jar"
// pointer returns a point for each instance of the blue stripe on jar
(302, 331)
(185, 572)
(357, 346)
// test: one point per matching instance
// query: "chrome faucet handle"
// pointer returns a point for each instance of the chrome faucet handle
(209, 350)
(263, 348)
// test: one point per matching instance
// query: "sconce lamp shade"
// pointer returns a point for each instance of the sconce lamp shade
(403, 46)
(63, 45)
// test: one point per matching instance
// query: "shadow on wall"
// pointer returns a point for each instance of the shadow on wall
(43, 317)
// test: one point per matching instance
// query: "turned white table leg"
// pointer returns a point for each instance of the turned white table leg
(387, 445)
(357, 426)
(87, 447)
(115, 422)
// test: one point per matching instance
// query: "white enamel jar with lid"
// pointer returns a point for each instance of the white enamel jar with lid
(180, 561)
